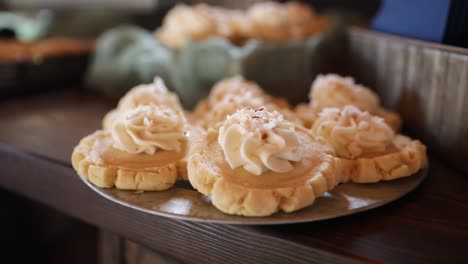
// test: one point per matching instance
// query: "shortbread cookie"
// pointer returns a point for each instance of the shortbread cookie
(234, 87)
(140, 152)
(155, 93)
(333, 90)
(186, 23)
(257, 163)
(272, 21)
(367, 148)
(194, 134)
(306, 114)
(267, 21)
(229, 95)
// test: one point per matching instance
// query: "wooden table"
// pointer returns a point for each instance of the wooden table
(37, 134)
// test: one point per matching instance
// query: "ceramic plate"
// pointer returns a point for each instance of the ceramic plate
(183, 202)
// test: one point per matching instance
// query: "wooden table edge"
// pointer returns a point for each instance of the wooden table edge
(226, 242)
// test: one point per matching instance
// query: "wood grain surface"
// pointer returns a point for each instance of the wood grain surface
(428, 226)
(427, 83)
(115, 249)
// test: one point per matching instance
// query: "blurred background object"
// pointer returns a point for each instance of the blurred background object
(359, 11)
(421, 19)
(88, 19)
(441, 21)
(444, 21)
(83, 4)
(126, 56)
(26, 26)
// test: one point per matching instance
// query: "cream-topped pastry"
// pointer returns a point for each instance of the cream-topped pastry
(184, 23)
(155, 93)
(305, 113)
(144, 150)
(353, 132)
(230, 104)
(236, 86)
(257, 163)
(147, 128)
(258, 141)
(332, 90)
(225, 98)
(229, 95)
(366, 147)
(274, 21)
(268, 21)
(335, 91)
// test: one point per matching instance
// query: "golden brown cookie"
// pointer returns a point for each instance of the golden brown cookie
(231, 94)
(367, 148)
(105, 166)
(195, 133)
(272, 21)
(141, 151)
(332, 90)
(305, 113)
(404, 158)
(263, 165)
(268, 21)
(186, 23)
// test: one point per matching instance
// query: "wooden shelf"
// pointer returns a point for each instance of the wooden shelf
(37, 136)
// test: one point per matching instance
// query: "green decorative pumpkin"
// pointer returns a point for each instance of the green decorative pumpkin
(26, 27)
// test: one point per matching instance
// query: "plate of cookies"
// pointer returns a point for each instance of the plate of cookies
(243, 156)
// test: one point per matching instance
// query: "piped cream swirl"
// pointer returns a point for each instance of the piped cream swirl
(236, 86)
(335, 91)
(184, 23)
(353, 132)
(148, 128)
(155, 93)
(231, 103)
(258, 140)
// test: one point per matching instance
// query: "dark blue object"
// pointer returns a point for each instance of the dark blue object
(456, 32)
(442, 21)
(420, 19)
